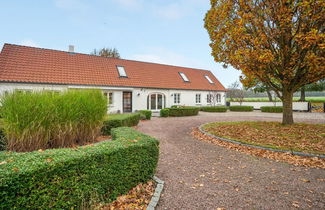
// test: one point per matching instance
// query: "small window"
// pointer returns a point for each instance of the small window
(198, 98)
(208, 78)
(121, 71)
(218, 98)
(109, 97)
(177, 98)
(209, 98)
(184, 77)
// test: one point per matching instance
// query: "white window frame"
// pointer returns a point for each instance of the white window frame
(121, 71)
(184, 77)
(209, 79)
(218, 98)
(198, 98)
(209, 98)
(177, 98)
(109, 95)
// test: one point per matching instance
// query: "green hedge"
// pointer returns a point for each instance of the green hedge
(74, 178)
(119, 120)
(147, 113)
(214, 108)
(273, 109)
(183, 111)
(241, 108)
(164, 112)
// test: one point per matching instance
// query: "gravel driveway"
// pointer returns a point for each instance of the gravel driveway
(199, 175)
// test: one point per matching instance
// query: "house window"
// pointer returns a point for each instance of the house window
(109, 97)
(198, 98)
(184, 77)
(209, 98)
(208, 78)
(177, 98)
(121, 71)
(218, 98)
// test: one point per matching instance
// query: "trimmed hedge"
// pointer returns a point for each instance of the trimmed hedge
(75, 178)
(120, 120)
(272, 109)
(164, 112)
(214, 108)
(183, 111)
(147, 113)
(241, 108)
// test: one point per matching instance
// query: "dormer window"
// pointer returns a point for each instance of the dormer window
(184, 77)
(208, 78)
(121, 71)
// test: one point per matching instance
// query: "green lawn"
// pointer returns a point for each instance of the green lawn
(265, 99)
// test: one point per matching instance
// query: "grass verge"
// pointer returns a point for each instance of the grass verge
(309, 138)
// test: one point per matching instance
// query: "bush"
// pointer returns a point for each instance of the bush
(164, 112)
(273, 109)
(147, 113)
(241, 108)
(183, 111)
(41, 120)
(74, 178)
(119, 120)
(214, 108)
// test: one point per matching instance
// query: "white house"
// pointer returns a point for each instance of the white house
(129, 85)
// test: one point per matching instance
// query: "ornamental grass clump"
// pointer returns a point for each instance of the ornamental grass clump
(42, 120)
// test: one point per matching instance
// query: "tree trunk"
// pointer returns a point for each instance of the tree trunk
(287, 118)
(302, 94)
(269, 95)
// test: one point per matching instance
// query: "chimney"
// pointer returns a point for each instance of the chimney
(71, 49)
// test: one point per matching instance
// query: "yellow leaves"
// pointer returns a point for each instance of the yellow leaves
(3, 162)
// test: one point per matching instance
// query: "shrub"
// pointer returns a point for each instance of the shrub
(72, 178)
(147, 113)
(241, 108)
(41, 120)
(183, 111)
(214, 108)
(2, 139)
(164, 112)
(119, 120)
(273, 109)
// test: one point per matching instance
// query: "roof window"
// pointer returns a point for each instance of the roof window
(121, 71)
(184, 77)
(208, 78)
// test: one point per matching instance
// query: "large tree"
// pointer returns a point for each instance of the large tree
(106, 52)
(278, 42)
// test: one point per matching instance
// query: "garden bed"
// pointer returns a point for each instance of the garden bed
(307, 138)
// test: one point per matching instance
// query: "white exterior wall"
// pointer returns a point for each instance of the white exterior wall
(139, 95)
(297, 106)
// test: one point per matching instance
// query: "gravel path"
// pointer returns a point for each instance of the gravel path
(199, 175)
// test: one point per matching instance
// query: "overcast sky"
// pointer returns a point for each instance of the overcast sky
(161, 31)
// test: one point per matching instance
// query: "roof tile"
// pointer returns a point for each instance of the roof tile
(38, 65)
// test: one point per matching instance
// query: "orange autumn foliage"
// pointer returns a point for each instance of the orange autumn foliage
(280, 43)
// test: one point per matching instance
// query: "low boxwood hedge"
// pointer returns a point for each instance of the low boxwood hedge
(214, 108)
(74, 178)
(164, 112)
(241, 108)
(146, 113)
(183, 111)
(273, 109)
(120, 120)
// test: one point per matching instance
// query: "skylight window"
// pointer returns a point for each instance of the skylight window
(184, 77)
(208, 78)
(121, 71)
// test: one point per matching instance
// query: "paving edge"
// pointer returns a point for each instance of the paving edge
(258, 147)
(156, 196)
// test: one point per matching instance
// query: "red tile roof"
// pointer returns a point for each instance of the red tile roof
(36, 65)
